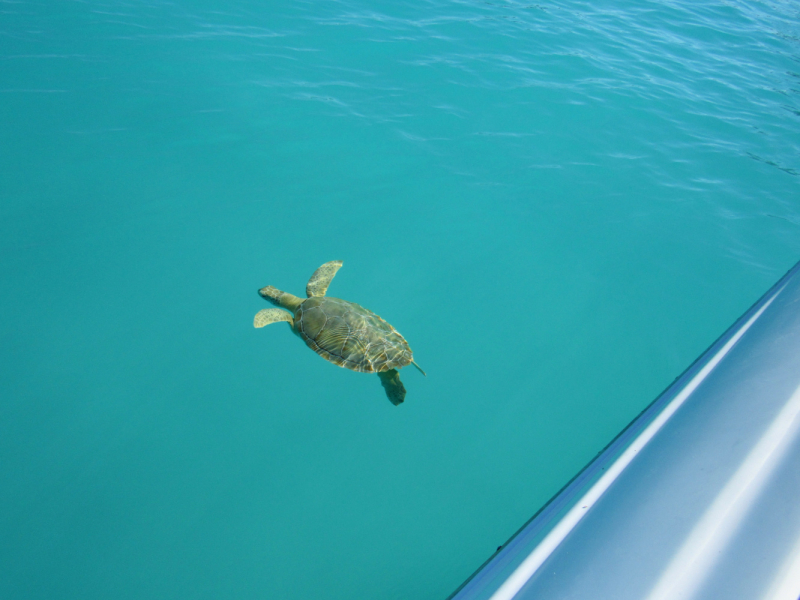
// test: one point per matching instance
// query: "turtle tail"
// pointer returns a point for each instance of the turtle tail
(395, 390)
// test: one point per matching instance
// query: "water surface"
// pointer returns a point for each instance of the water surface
(560, 205)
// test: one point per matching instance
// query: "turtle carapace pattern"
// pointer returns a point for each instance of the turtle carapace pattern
(341, 332)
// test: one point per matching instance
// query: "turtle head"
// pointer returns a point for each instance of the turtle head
(279, 298)
(271, 294)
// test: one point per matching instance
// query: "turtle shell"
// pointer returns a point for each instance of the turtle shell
(350, 336)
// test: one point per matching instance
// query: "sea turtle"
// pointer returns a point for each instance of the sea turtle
(342, 332)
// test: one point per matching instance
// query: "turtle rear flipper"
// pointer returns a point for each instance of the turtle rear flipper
(395, 390)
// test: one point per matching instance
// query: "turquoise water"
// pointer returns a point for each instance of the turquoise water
(560, 205)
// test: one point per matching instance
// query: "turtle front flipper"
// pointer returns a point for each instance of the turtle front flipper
(322, 277)
(271, 315)
(395, 390)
